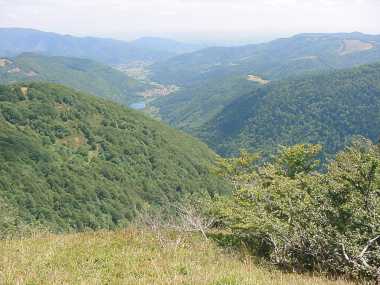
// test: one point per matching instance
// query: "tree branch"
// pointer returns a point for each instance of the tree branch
(369, 244)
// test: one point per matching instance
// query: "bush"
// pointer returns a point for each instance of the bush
(301, 219)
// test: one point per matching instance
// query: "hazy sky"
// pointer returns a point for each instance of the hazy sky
(191, 19)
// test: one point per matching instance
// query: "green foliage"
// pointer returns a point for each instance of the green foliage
(72, 161)
(192, 106)
(82, 74)
(10, 222)
(238, 168)
(298, 159)
(328, 109)
(304, 220)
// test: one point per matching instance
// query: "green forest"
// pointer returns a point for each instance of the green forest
(328, 109)
(191, 107)
(81, 74)
(73, 161)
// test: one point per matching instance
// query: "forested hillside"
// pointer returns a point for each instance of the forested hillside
(211, 78)
(81, 74)
(72, 161)
(328, 108)
(190, 108)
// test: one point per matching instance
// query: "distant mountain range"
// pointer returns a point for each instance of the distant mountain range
(14, 41)
(277, 59)
(212, 78)
(81, 74)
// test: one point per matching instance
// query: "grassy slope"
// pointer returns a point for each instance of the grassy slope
(133, 257)
(73, 161)
(326, 108)
(81, 74)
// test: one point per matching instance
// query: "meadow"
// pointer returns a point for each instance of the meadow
(138, 257)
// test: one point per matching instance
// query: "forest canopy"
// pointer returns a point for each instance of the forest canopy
(73, 161)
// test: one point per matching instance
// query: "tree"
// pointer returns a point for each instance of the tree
(298, 159)
(300, 219)
(353, 180)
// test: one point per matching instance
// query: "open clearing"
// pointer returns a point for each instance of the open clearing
(24, 91)
(257, 79)
(351, 46)
(134, 257)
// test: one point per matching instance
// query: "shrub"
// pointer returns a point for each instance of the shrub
(301, 219)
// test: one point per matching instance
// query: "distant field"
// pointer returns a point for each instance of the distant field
(257, 79)
(133, 257)
(351, 46)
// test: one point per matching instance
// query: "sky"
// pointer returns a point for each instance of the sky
(192, 20)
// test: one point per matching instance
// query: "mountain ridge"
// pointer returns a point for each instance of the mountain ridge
(106, 50)
(266, 59)
(210, 78)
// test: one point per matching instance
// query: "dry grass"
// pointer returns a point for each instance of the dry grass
(132, 257)
(74, 141)
(24, 91)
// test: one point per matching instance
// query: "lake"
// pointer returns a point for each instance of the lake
(138, 105)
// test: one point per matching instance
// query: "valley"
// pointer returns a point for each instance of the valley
(156, 161)
(201, 80)
(140, 71)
